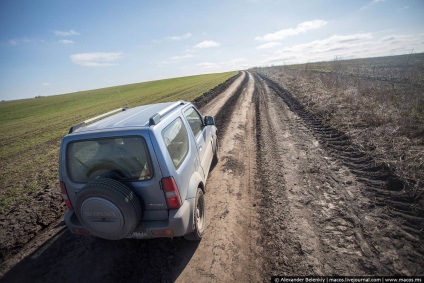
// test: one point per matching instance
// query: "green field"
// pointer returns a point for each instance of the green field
(31, 129)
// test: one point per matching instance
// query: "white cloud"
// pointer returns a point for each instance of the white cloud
(180, 37)
(173, 38)
(300, 28)
(186, 56)
(238, 64)
(335, 42)
(26, 40)
(396, 38)
(361, 45)
(269, 45)
(335, 45)
(237, 61)
(66, 41)
(174, 59)
(46, 84)
(207, 44)
(96, 59)
(233, 64)
(208, 65)
(66, 33)
(372, 3)
(337, 39)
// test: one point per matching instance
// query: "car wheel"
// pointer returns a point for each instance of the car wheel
(199, 218)
(216, 153)
(108, 209)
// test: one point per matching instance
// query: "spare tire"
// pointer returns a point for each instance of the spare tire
(108, 209)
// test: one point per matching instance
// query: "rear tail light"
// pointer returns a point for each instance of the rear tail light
(172, 194)
(65, 195)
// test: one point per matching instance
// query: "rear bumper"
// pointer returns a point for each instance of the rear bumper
(180, 222)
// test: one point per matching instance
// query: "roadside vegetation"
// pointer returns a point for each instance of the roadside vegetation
(377, 102)
(31, 129)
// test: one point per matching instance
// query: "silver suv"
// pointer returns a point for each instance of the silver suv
(140, 173)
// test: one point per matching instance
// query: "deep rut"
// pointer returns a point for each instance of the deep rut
(229, 251)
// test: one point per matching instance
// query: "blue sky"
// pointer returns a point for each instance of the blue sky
(59, 46)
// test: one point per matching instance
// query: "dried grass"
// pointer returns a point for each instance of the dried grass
(378, 102)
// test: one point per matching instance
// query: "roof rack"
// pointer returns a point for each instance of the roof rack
(82, 124)
(156, 118)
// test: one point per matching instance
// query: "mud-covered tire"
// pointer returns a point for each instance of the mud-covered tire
(108, 209)
(199, 218)
(215, 158)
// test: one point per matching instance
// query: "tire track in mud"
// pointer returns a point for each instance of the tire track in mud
(229, 251)
(307, 215)
(210, 95)
(221, 118)
(350, 230)
(388, 189)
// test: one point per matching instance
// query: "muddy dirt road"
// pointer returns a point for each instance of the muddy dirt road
(278, 203)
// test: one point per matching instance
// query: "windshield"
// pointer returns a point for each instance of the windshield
(123, 158)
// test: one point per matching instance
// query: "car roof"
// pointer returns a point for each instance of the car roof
(129, 117)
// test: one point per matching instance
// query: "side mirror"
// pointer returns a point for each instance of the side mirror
(209, 121)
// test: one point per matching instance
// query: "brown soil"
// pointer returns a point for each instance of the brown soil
(285, 199)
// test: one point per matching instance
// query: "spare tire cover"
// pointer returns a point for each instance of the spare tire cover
(108, 209)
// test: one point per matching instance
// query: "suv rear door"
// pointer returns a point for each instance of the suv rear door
(128, 155)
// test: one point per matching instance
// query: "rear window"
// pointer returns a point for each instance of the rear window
(176, 140)
(125, 158)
